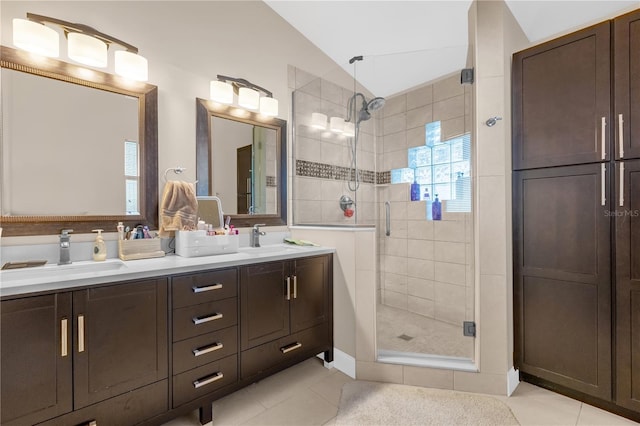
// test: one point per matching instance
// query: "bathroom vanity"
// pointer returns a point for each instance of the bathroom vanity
(157, 338)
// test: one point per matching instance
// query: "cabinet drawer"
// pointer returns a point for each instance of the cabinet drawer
(204, 318)
(200, 288)
(203, 380)
(270, 354)
(200, 350)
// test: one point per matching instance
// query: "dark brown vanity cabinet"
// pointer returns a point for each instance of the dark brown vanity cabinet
(286, 311)
(205, 333)
(87, 355)
(576, 214)
(35, 363)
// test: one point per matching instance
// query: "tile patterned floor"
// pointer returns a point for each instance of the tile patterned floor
(309, 394)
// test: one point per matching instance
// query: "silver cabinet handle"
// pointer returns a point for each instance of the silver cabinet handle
(80, 333)
(387, 207)
(201, 320)
(205, 381)
(621, 184)
(288, 295)
(206, 349)
(621, 134)
(603, 137)
(291, 347)
(206, 288)
(295, 286)
(603, 183)
(64, 337)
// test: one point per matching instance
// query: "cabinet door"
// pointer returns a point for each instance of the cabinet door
(628, 285)
(562, 283)
(627, 84)
(120, 339)
(35, 367)
(264, 303)
(561, 95)
(311, 298)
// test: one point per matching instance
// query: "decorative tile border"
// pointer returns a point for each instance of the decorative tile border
(331, 172)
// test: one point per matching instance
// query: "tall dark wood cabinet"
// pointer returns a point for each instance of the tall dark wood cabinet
(562, 101)
(35, 367)
(627, 85)
(576, 208)
(627, 219)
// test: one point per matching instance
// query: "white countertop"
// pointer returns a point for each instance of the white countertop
(86, 273)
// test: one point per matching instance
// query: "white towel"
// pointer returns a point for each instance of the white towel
(179, 208)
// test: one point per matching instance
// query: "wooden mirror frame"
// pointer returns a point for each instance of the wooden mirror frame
(204, 172)
(148, 136)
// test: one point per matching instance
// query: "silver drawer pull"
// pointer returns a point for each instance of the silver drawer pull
(621, 184)
(621, 134)
(207, 349)
(197, 289)
(603, 137)
(80, 333)
(202, 382)
(200, 320)
(290, 348)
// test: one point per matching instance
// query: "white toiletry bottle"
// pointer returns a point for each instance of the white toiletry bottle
(120, 229)
(99, 247)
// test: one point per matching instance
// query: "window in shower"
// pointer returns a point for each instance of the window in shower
(442, 168)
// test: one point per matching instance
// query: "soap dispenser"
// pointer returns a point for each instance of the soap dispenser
(99, 247)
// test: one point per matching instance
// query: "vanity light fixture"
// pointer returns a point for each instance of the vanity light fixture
(84, 45)
(319, 120)
(249, 94)
(36, 38)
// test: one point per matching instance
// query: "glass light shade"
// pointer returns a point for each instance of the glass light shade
(35, 38)
(87, 50)
(248, 98)
(221, 91)
(268, 106)
(318, 120)
(336, 124)
(131, 65)
(349, 129)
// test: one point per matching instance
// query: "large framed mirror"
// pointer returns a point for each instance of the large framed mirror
(79, 148)
(241, 159)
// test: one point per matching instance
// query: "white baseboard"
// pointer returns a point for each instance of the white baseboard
(342, 361)
(513, 380)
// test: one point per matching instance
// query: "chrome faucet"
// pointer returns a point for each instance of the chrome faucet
(65, 247)
(254, 239)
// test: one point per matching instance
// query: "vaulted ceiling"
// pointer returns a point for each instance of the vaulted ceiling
(406, 43)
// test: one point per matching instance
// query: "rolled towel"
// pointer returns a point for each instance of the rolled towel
(179, 208)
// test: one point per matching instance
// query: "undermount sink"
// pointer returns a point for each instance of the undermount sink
(268, 250)
(53, 270)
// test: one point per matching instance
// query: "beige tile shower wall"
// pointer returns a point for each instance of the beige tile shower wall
(316, 200)
(426, 267)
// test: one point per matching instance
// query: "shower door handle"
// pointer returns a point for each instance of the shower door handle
(387, 209)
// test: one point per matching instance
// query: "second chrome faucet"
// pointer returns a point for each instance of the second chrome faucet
(254, 238)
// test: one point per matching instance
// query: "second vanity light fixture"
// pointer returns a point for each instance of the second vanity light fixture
(336, 124)
(222, 90)
(84, 45)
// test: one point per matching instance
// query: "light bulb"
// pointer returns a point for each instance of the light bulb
(87, 50)
(36, 38)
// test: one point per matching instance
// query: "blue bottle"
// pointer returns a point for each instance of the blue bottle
(436, 209)
(415, 191)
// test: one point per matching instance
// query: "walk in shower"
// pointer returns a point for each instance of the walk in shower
(391, 157)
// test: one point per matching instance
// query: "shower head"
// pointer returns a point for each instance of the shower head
(375, 104)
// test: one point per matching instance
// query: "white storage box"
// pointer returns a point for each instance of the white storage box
(198, 243)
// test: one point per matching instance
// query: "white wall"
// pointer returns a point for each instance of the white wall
(187, 44)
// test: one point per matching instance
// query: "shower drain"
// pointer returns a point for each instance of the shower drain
(405, 337)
